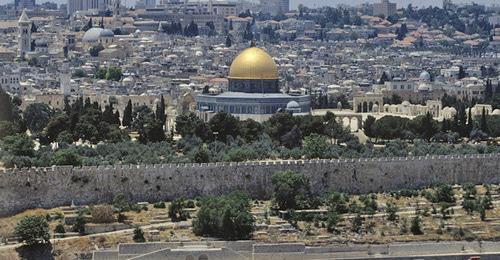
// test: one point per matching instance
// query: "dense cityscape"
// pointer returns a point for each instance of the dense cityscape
(180, 129)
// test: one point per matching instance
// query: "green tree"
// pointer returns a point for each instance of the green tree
(60, 229)
(357, 223)
(338, 202)
(251, 130)
(444, 193)
(6, 129)
(368, 126)
(37, 116)
(160, 110)
(176, 212)
(152, 131)
(56, 126)
(424, 126)
(416, 228)
(484, 126)
(383, 78)
(127, 115)
(188, 124)
(94, 50)
(316, 146)
(291, 190)
(121, 203)
(114, 74)
(66, 157)
(279, 124)
(461, 72)
(79, 225)
(332, 219)
(224, 125)
(202, 155)
(392, 210)
(227, 217)
(138, 235)
(100, 73)
(32, 230)
(390, 127)
(79, 73)
(18, 145)
(6, 107)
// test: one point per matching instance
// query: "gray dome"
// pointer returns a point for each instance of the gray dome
(425, 76)
(92, 35)
(292, 105)
(106, 33)
(41, 43)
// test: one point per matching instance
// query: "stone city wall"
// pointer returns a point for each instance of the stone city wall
(22, 189)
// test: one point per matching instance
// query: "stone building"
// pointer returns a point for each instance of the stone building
(434, 107)
(254, 91)
(369, 102)
(384, 8)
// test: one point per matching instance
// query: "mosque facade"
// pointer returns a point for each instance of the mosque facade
(253, 92)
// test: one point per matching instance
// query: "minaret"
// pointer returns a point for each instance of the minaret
(210, 7)
(116, 9)
(24, 35)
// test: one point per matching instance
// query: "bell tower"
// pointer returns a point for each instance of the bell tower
(24, 34)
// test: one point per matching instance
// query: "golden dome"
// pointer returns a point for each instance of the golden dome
(253, 63)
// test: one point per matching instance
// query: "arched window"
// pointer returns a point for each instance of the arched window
(189, 257)
(203, 257)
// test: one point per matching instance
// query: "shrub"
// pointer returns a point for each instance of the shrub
(332, 220)
(121, 203)
(226, 217)
(60, 229)
(121, 218)
(79, 225)
(175, 211)
(469, 205)
(404, 227)
(444, 193)
(32, 230)
(138, 235)
(102, 214)
(463, 234)
(159, 205)
(357, 223)
(416, 228)
(392, 209)
(370, 203)
(190, 204)
(292, 191)
(338, 202)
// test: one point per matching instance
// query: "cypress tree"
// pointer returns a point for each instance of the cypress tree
(107, 115)
(116, 118)
(6, 107)
(484, 127)
(160, 110)
(127, 115)
(470, 123)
